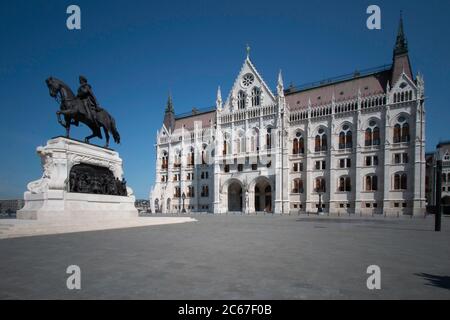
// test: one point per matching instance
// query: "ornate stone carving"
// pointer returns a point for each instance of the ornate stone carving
(41, 185)
(86, 178)
(78, 180)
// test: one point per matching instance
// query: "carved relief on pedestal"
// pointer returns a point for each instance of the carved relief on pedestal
(58, 159)
(48, 166)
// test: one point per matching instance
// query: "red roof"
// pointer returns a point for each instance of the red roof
(343, 90)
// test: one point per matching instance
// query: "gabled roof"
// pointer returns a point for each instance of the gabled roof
(248, 63)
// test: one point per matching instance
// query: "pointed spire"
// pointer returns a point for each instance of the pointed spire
(248, 51)
(219, 99)
(401, 44)
(169, 116)
(280, 79)
(169, 106)
(280, 85)
(219, 94)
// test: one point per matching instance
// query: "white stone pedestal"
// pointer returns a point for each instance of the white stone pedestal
(48, 198)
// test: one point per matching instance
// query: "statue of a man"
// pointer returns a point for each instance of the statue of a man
(87, 96)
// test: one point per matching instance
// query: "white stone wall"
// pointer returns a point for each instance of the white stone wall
(274, 113)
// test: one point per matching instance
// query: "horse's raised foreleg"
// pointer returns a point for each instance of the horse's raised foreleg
(58, 116)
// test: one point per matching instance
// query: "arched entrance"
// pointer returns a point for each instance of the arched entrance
(263, 196)
(168, 206)
(234, 197)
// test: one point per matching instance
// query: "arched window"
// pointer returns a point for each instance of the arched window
(400, 181)
(190, 157)
(191, 192)
(225, 147)
(317, 143)
(164, 161)
(371, 183)
(401, 130)
(344, 184)
(397, 133)
(368, 137)
(372, 135)
(297, 186)
(254, 140)
(226, 144)
(376, 136)
(345, 138)
(298, 144)
(301, 145)
(320, 185)
(241, 100)
(240, 143)
(269, 138)
(405, 132)
(177, 159)
(321, 141)
(205, 191)
(204, 154)
(256, 96)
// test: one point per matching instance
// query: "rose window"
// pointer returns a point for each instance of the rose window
(247, 80)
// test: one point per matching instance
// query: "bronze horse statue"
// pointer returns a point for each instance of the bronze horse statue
(74, 111)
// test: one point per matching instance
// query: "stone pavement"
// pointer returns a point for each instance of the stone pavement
(14, 228)
(235, 257)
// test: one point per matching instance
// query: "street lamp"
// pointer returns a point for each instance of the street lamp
(183, 197)
(437, 218)
(320, 192)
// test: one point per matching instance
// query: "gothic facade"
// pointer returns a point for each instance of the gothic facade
(352, 145)
(442, 153)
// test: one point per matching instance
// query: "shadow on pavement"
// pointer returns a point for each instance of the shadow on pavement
(435, 280)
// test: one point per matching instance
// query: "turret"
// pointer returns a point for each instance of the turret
(401, 63)
(219, 100)
(169, 115)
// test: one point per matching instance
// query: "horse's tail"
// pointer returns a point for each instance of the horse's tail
(114, 131)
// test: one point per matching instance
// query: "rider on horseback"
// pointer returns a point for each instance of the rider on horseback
(90, 103)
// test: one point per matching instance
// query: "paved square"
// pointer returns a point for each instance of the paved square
(235, 257)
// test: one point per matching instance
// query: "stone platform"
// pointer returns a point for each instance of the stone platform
(15, 228)
(58, 195)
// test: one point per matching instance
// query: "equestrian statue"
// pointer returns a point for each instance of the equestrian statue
(83, 108)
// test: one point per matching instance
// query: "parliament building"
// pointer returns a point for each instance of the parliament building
(352, 145)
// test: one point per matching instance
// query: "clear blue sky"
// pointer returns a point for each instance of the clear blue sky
(134, 52)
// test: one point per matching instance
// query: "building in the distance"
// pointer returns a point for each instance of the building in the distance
(442, 152)
(354, 144)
